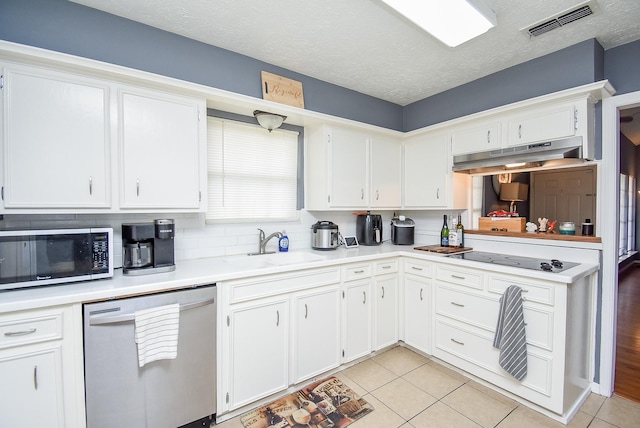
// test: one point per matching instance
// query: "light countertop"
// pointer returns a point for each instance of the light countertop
(219, 269)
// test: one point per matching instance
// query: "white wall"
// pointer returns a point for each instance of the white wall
(195, 239)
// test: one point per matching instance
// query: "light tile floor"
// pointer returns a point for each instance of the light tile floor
(409, 390)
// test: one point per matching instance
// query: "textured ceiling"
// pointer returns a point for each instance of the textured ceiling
(365, 46)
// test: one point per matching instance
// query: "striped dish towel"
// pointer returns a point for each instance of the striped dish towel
(156, 333)
(510, 336)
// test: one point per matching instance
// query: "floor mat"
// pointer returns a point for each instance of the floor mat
(328, 403)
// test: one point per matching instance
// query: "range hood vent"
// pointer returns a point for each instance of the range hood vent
(551, 154)
(582, 11)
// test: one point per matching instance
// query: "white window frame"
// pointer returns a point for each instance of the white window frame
(259, 206)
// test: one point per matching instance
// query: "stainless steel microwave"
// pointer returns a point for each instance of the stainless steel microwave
(43, 257)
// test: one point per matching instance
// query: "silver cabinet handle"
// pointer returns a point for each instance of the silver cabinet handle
(277, 318)
(306, 311)
(362, 194)
(130, 317)
(383, 292)
(364, 297)
(520, 131)
(377, 195)
(457, 341)
(415, 268)
(458, 277)
(20, 333)
(488, 136)
(438, 193)
(90, 185)
(386, 267)
(421, 294)
(358, 271)
(138, 187)
(457, 304)
(35, 377)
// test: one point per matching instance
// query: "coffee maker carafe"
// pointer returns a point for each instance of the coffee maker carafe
(148, 247)
(369, 229)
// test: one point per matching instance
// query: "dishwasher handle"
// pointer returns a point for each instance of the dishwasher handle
(130, 317)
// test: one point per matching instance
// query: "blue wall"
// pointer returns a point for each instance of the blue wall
(567, 68)
(62, 26)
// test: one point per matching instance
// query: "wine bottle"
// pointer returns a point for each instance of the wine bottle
(453, 233)
(444, 233)
(460, 231)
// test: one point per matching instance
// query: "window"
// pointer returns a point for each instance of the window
(252, 173)
(627, 236)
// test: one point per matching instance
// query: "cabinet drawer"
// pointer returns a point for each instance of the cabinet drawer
(470, 308)
(478, 350)
(387, 266)
(531, 291)
(482, 312)
(30, 329)
(460, 276)
(354, 272)
(271, 285)
(419, 268)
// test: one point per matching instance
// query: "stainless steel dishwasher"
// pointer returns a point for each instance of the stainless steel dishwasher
(166, 393)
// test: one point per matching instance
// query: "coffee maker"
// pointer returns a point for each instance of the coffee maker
(148, 247)
(369, 229)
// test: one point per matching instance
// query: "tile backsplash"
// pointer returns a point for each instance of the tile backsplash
(197, 239)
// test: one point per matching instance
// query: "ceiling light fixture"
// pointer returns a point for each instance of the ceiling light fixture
(269, 121)
(453, 22)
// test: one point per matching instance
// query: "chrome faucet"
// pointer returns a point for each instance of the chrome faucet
(263, 242)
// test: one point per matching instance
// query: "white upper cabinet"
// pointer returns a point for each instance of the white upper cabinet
(476, 138)
(426, 171)
(56, 140)
(542, 125)
(386, 173)
(352, 169)
(348, 153)
(162, 141)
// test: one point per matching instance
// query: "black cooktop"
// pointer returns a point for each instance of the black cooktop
(547, 265)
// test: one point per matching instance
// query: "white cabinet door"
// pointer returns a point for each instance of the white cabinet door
(475, 139)
(386, 175)
(316, 333)
(348, 169)
(426, 171)
(161, 150)
(56, 134)
(31, 388)
(357, 320)
(417, 312)
(386, 310)
(542, 125)
(259, 350)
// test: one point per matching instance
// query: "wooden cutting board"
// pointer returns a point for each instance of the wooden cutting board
(442, 250)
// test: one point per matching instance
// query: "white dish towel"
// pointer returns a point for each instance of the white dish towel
(156, 333)
(510, 336)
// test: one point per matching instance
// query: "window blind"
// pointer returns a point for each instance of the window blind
(252, 174)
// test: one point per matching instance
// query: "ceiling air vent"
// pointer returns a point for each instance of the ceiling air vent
(581, 11)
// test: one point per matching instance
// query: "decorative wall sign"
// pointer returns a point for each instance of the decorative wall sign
(282, 90)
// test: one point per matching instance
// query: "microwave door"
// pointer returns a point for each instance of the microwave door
(61, 256)
(16, 255)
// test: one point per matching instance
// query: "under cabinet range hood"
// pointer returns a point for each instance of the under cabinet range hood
(551, 154)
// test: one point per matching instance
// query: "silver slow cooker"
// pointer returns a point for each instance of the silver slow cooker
(324, 236)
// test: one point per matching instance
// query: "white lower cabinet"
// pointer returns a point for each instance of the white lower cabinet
(277, 330)
(259, 347)
(417, 304)
(385, 285)
(466, 314)
(356, 330)
(39, 370)
(316, 332)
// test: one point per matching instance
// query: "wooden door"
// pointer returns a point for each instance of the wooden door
(564, 195)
